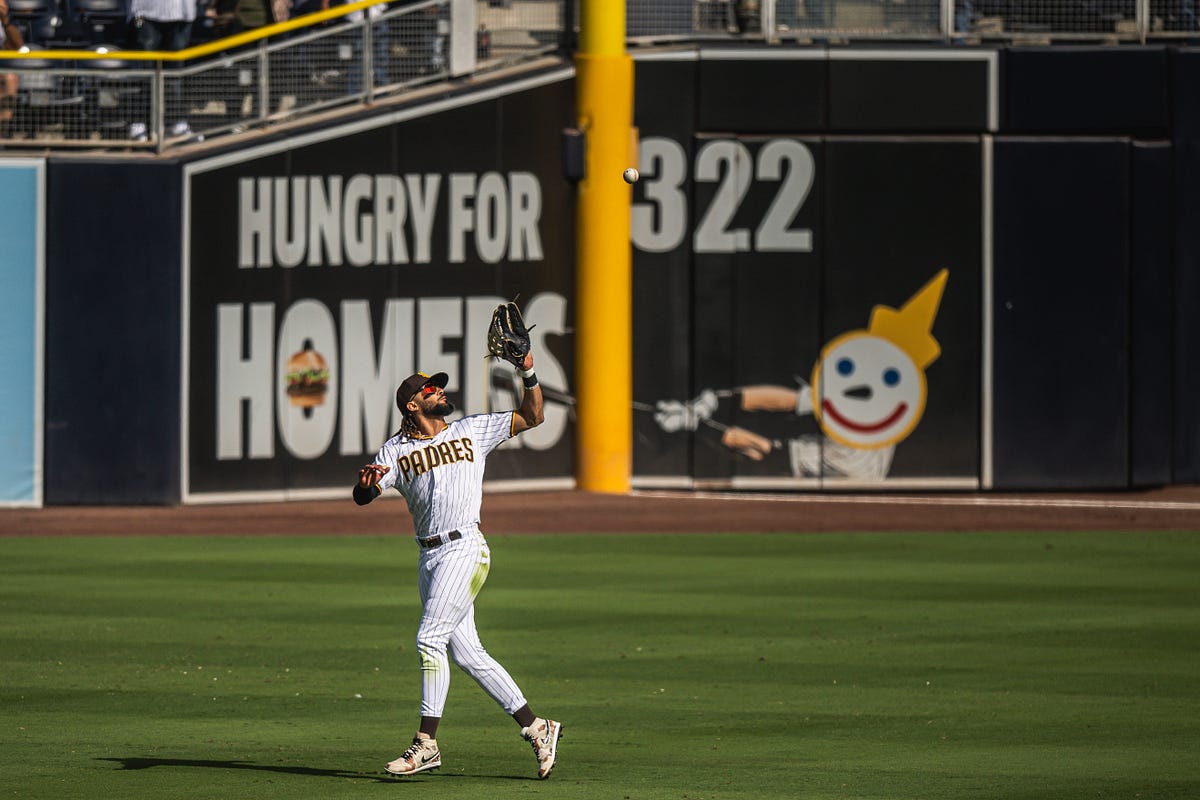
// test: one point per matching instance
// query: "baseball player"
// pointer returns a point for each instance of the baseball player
(438, 468)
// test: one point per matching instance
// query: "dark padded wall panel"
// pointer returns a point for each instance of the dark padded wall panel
(1061, 310)
(1094, 90)
(756, 310)
(762, 96)
(897, 212)
(1187, 320)
(937, 96)
(1186, 94)
(802, 95)
(662, 273)
(112, 333)
(1151, 299)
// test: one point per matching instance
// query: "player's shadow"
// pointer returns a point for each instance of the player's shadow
(137, 763)
(146, 763)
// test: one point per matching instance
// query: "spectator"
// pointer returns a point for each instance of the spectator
(164, 25)
(380, 52)
(10, 39)
(251, 14)
(299, 9)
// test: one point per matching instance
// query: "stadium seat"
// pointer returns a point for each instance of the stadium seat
(38, 20)
(27, 9)
(101, 22)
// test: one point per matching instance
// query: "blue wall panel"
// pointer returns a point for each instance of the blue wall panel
(21, 193)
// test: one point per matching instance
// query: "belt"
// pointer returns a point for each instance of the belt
(431, 542)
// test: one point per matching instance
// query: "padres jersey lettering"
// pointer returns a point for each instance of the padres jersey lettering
(432, 456)
(441, 477)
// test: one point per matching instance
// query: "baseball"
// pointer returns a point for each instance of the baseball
(630, 175)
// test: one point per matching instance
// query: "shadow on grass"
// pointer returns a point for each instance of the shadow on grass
(137, 763)
(147, 763)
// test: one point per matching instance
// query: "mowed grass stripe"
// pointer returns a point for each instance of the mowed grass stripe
(1019, 665)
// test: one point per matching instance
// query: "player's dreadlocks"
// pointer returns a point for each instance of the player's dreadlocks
(408, 425)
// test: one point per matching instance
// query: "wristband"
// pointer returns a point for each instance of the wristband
(526, 373)
(365, 494)
(529, 379)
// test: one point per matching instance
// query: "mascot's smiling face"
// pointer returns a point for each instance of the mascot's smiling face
(870, 392)
(870, 385)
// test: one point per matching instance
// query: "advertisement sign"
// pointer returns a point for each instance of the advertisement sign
(323, 272)
(22, 193)
(817, 313)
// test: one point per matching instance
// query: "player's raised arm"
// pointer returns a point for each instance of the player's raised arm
(508, 339)
(529, 415)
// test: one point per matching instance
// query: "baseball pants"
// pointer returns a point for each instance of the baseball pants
(449, 579)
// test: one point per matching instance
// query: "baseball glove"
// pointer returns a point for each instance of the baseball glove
(508, 338)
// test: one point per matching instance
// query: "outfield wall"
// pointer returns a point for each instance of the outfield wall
(22, 307)
(978, 257)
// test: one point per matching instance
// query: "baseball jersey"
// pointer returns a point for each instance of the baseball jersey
(441, 477)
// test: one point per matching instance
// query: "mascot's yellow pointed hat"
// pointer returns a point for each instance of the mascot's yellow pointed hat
(909, 328)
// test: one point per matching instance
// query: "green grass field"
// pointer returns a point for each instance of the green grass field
(688, 667)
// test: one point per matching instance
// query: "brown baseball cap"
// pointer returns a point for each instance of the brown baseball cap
(413, 383)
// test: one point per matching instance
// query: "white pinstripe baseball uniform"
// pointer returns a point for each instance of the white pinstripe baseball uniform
(441, 478)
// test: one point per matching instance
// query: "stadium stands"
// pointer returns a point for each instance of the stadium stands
(343, 57)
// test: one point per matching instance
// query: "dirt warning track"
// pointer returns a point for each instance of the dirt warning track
(1171, 508)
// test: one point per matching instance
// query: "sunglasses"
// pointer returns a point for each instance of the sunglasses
(428, 389)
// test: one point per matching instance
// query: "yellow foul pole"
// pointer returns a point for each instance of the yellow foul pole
(603, 324)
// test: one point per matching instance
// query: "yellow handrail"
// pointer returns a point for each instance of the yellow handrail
(200, 50)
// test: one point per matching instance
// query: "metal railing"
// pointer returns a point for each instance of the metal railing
(952, 21)
(359, 53)
(352, 54)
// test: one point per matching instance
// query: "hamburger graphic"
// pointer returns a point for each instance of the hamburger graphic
(307, 378)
